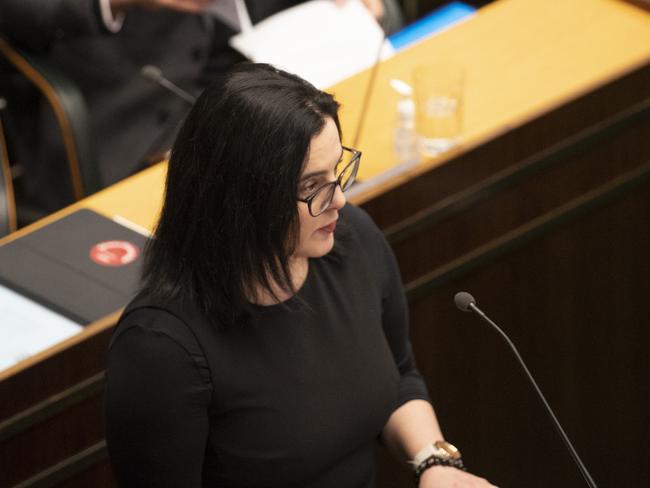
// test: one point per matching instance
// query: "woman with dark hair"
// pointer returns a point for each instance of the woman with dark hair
(269, 345)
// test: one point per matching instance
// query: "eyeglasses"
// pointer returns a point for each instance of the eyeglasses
(321, 199)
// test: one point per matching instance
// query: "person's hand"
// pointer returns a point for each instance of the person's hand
(189, 6)
(447, 477)
(376, 7)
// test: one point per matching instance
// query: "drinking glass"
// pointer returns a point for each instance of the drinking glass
(439, 104)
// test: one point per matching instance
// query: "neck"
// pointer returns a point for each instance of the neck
(298, 269)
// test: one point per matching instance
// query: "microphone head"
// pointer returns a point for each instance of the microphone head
(151, 73)
(463, 300)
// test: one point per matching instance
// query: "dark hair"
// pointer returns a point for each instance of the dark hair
(229, 220)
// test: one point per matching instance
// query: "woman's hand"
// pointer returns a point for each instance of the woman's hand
(447, 477)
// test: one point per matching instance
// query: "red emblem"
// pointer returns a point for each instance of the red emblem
(114, 253)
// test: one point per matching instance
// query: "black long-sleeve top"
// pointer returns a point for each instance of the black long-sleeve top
(295, 397)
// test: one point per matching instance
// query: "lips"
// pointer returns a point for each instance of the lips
(329, 228)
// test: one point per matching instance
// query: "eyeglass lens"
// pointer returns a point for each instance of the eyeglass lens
(323, 199)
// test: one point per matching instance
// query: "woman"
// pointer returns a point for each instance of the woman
(269, 345)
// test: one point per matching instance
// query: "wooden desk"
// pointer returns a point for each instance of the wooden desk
(542, 214)
(523, 58)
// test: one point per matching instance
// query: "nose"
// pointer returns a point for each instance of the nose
(338, 200)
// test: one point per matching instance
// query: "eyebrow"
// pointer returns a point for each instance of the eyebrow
(320, 173)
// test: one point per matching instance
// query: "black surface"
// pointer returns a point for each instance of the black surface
(52, 267)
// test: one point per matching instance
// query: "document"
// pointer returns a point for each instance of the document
(27, 327)
(318, 40)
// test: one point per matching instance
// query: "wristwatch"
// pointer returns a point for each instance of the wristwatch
(440, 453)
(440, 449)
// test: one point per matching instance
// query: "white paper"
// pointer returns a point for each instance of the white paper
(318, 40)
(131, 225)
(27, 327)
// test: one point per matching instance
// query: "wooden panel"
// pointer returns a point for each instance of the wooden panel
(52, 441)
(99, 475)
(520, 201)
(569, 301)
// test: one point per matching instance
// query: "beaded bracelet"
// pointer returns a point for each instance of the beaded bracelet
(437, 461)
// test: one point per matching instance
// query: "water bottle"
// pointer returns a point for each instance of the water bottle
(405, 141)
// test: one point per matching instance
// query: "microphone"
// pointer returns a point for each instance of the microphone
(155, 75)
(466, 303)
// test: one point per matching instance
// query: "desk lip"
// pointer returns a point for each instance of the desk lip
(90, 330)
(86, 203)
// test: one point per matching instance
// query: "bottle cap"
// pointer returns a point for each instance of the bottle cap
(406, 109)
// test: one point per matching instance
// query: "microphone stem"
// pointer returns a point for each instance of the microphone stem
(556, 422)
(177, 90)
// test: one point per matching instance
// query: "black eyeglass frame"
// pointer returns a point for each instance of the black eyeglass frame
(356, 157)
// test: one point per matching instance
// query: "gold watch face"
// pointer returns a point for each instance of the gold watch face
(449, 449)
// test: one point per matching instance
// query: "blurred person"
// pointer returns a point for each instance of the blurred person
(102, 45)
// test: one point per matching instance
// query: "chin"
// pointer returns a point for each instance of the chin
(320, 248)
